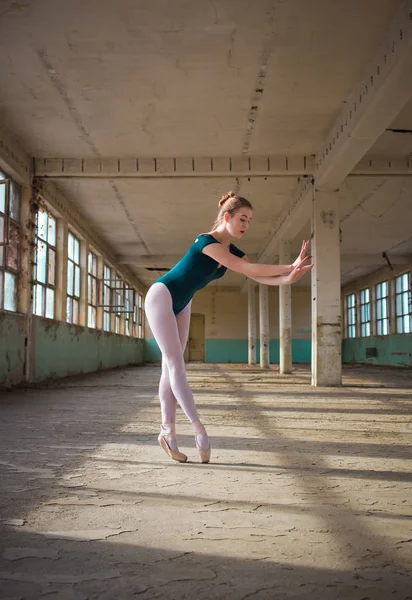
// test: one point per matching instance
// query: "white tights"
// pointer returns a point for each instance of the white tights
(171, 333)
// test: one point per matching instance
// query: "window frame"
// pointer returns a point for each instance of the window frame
(351, 316)
(46, 286)
(13, 192)
(403, 319)
(92, 288)
(107, 270)
(73, 296)
(365, 312)
(382, 306)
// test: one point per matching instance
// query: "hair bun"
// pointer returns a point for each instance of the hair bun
(226, 197)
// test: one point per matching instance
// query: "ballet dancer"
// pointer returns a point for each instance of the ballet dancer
(168, 305)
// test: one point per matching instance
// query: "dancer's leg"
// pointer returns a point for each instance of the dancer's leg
(163, 323)
(168, 402)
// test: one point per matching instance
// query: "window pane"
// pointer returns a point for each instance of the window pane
(51, 231)
(77, 281)
(76, 250)
(2, 196)
(49, 303)
(2, 240)
(70, 250)
(41, 261)
(1, 289)
(51, 275)
(94, 291)
(75, 311)
(38, 299)
(91, 317)
(70, 278)
(69, 309)
(15, 195)
(42, 225)
(10, 282)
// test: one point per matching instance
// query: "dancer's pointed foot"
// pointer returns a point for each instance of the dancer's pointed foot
(167, 440)
(202, 442)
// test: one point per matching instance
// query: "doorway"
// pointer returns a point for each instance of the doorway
(195, 349)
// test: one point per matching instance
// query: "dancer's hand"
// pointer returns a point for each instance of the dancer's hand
(298, 272)
(302, 258)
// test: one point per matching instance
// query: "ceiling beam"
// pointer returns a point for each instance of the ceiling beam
(369, 110)
(376, 259)
(230, 166)
(372, 106)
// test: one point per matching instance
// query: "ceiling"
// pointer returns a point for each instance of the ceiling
(226, 78)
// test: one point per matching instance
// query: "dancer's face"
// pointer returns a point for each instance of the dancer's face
(238, 223)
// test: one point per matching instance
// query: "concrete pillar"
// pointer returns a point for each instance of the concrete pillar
(285, 313)
(25, 284)
(252, 322)
(264, 325)
(326, 296)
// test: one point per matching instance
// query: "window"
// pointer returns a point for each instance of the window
(73, 279)
(107, 277)
(128, 307)
(365, 319)
(10, 197)
(92, 290)
(138, 317)
(403, 306)
(382, 312)
(45, 265)
(118, 301)
(351, 315)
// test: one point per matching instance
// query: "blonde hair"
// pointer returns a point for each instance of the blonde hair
(230, 203)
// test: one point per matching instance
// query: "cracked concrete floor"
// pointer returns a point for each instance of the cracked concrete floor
(308, 495)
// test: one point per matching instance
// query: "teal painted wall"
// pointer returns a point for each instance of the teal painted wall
(393, 350)
(236, 351)
(12, 343)
(63, 349)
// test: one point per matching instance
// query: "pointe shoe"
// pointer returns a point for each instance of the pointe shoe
(204, 454)
(170, 432)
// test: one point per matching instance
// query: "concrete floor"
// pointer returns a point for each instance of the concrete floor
(308, 495)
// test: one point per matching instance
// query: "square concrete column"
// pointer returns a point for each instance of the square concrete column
(285, 313)
(264, 325)
(251, 322)
(326, 291)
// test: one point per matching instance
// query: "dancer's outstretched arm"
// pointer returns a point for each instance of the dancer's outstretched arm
(294, 276)
(223, 256)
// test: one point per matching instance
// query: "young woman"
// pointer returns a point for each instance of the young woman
(168, 304)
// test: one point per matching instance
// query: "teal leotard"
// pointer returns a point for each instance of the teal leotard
(194, 271)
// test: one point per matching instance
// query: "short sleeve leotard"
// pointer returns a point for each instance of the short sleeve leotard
(194, 271)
